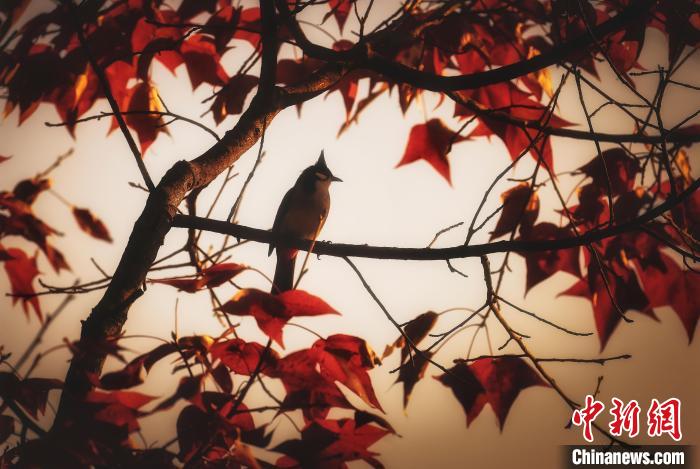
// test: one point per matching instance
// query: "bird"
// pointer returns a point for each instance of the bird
(301, 214)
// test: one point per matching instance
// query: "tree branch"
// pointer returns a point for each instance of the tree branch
(596, 361)
(363, 56)
(106, 89)
(426, 254)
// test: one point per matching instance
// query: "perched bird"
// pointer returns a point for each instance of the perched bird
(301, 214)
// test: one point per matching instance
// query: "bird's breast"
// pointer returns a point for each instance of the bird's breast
(305, 214)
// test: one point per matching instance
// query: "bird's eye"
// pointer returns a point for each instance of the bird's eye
(321, 176)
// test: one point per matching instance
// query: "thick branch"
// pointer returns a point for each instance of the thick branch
(676, 137)
(363, 56)
(108, 317)
(596, 361)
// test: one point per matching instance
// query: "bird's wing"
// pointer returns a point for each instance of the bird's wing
(281, 210)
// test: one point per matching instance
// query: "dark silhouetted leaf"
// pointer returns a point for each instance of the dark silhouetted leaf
(7, 427)
(543, 264)
(494, 381)
(210, 277)
(624, 287)
(131, 375)
(521, 205)
(416, 329)
(621, 169)
(230, 99)
(675, 287)
(30, 393)
(411, 372)
(331, 443)
(91, 224)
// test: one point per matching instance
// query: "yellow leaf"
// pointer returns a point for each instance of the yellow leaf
(154, 101)
(80, 85)
(542, 76)
(683, 164)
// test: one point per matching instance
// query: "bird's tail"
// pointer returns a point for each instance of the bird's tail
(284, 271)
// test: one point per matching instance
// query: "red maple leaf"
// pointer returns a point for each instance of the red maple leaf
(139, 100)
(119, 408)
(543, 264)
(249, 23)
(307, 389)
(508, 99)
(272, 312)
(347, 86)
(242, 357)
(152, 41)
(624, 288)
(203, 61)
(340, 9)
(22, 271)
(431, 142)
(330, 444)
(346, 359)
(494, 381)
(669, 285)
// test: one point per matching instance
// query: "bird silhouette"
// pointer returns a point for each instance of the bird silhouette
(301, 214)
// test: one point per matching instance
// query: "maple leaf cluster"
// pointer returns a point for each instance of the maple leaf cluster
(57, 69)
(17, 219)
(214, 425)
(628, 272)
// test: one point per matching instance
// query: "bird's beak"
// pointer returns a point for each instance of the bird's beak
(336, 179)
